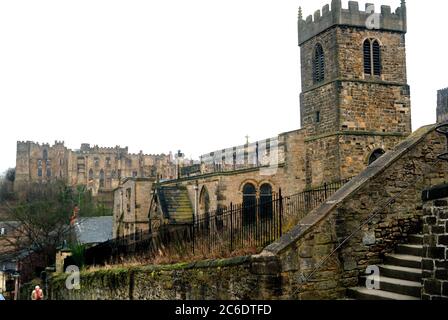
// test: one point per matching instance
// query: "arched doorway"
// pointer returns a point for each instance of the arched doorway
(249, 203)
(204, 202)
(204, 208)
(266, 201)
(376, 155)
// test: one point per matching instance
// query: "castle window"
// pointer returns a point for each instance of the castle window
(39, 168)
(48, 168)
(372, 57)
(97, 162)
(318, 64)
(102, 178)
(45, 154)
(90, 174)
(317, 116)
(134, 174)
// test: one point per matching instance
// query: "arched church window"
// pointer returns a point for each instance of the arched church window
(45, 154)
(376, 155)
(249, 204)
(266, 201)
(90, 174)
(318, 64)
(372, 57)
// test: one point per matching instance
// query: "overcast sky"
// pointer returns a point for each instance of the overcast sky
(163, 75)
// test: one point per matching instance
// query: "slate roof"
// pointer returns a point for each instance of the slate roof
(94, 230)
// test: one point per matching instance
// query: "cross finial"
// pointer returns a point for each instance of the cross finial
(300, 13)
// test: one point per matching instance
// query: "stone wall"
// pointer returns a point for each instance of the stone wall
(240, 278)
(131, 206)
(349, 114)
(435, 253)
(226, 187)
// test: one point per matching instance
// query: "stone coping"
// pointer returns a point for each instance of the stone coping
(357, 133)
(349, 189)
(201, 264)
(339, 81)
(216, 174)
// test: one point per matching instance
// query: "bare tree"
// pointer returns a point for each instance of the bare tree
(42, 219)
(6, 185)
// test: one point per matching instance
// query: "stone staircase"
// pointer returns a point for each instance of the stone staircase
(176, 205)
(400, 275)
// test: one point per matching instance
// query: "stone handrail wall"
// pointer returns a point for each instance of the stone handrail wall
(405, 172)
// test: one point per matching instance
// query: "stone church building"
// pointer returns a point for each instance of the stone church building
(354, 106)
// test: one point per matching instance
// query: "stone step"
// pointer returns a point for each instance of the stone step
(360, 293)
(399, 286)
(410, 249)
(415, 239)
(403, 260)
(410, 274)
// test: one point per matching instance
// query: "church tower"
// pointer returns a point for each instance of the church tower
(355, 101)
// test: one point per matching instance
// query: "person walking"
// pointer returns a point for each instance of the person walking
(37, 294)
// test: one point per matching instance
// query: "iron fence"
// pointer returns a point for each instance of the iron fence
(221, 232)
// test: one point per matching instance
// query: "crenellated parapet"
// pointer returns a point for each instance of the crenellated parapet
(354, 17)
(86, 148)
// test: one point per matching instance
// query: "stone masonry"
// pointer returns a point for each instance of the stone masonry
(131, 206)
(350, 114)
(435, 254)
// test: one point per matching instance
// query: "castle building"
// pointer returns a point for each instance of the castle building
(442, 105)
(354, 106)
(98, 169)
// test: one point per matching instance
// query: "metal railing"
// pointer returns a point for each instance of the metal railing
(252, 224)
